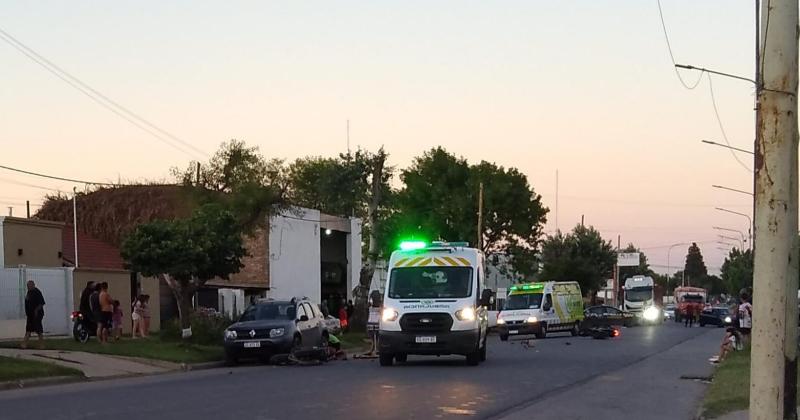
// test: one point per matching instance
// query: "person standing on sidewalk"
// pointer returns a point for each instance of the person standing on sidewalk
(34, 314)
(745, 315)
(106, 312)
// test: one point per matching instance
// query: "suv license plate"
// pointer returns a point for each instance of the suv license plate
(252, 345)
(513, 331)
(427, 340)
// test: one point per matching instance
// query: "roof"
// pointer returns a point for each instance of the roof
(92, 252)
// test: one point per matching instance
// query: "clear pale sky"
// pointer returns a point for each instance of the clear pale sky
(583, 87)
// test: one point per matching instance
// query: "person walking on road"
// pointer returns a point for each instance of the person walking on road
(688, 320)
(106, 313)
(34, 314)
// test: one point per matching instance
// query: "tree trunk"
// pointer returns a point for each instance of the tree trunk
(183, 292)
(361, 291)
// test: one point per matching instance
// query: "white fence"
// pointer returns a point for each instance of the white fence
(56, 286)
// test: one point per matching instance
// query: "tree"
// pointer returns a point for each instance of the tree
(186, 253)
(695, 268)
(239, 178)
(643, 269)
(339, 186)
(737, 271)
(581, 256)
(439, 201)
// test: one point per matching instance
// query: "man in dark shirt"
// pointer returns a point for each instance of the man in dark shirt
(34, 314)
(85, 307)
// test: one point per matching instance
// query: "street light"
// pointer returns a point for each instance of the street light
(741, 243)
(749, 220)
(726, 146)
(732, 189)
(731, 230)
(668, 254)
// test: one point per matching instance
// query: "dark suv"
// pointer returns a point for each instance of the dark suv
(272, 327)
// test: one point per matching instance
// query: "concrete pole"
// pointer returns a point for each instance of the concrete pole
(773, 379)
(480, 218)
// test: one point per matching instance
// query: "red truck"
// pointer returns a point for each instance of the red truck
(689, 300)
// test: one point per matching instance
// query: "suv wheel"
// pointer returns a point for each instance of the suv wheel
(386, 359)
(542, 331)
(401, 358)
(230, 359)
(576, 329)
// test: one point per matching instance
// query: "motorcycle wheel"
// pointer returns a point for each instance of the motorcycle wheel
(81, 334)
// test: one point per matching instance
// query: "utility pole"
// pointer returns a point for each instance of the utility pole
(28, 208)
(773, 380)
(198, 174)
(480, 217)
(75, 222)
(556, 200)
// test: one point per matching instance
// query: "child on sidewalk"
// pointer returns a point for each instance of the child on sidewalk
(116, 321)
(727, 346)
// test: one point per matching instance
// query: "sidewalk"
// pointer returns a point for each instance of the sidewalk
(94, 366)
(650, 389)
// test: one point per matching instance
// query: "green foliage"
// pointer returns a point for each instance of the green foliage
(336, 186)
(695, 268)
(737, 271)
(642, 269)
(582, 256)
(14, 369)
(439, 201)
(200, 248)
(207, 329)
(240, 179)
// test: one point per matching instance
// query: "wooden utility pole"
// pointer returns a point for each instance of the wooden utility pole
(480, 217)
(773, 380)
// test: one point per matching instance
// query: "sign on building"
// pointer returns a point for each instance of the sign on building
(627, 259)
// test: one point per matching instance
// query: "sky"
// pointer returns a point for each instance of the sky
(582, 88)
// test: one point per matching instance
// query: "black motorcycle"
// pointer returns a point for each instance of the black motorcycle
(82, 328)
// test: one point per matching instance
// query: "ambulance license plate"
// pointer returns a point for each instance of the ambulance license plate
(252, 344)
(426, 339)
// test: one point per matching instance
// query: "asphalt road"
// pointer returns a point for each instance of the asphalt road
(637, 375)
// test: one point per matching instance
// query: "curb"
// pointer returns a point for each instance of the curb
(202, 366)
(36, 382)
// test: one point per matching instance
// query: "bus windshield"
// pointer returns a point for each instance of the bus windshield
(430, 282)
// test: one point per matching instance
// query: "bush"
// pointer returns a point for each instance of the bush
(207, 328)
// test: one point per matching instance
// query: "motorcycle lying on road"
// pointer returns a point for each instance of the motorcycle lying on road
(82, 328)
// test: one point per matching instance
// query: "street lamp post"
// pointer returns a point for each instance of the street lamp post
(669, 251)
(749, 220)
(731, 238)
(726, 146)
(732, 189)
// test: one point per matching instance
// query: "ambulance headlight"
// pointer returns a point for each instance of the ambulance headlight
(466, 314)
(651, 313)
(389, 315)
(532, 320)
(500, 320)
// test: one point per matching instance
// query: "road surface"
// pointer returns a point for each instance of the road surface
(559, 377)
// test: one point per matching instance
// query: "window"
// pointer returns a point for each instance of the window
(430, 283)
(310, 310)
(301, 310)
(268, 311)
(315, 310)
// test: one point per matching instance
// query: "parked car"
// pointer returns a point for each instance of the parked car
(607, 315)
(719, 315)
(272, 327)
(669, 312)
(332, 324)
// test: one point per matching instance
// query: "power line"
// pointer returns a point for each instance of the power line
(671, 55)
(721, 126)
(100, 98)
(56, 177)
(24, 184)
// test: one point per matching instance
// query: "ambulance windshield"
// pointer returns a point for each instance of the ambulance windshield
(525, 301)
(430, 282)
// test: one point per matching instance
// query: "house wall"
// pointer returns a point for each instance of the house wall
(40, 242)
(294, 244)
(119, 286)
(255, 272)
(56, 286)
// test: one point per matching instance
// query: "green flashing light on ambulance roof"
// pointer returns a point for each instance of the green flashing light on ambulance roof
(412, 245)
(534, 286)
(415, 245)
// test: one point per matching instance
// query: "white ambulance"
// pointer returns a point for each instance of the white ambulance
(434, 303)
(540, 308)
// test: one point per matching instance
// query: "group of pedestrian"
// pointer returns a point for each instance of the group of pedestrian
(140, 314)
(102, 308)
(343, 309)
(737, 337)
